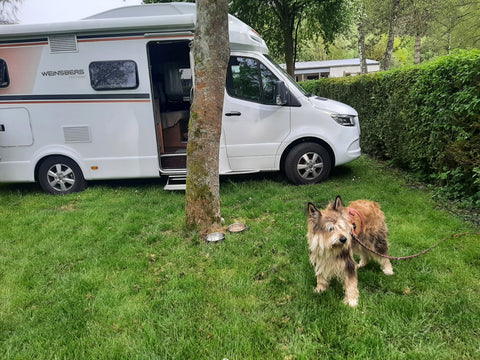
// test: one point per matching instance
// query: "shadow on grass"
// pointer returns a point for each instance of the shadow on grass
(338, 173)
(20, 188)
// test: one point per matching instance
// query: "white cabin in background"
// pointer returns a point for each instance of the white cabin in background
(314, 70)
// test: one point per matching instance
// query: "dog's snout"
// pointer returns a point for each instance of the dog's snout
(343, 239)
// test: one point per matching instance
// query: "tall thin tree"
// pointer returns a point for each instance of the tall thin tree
(361, 39)
(211, 51)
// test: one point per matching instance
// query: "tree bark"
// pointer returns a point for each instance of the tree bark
(211, 49)
(289, 52)
(361, 38)
(286, 15)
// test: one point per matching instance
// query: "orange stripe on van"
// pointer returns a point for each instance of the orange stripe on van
(24, 44)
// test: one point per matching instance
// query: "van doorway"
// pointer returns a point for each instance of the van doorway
(171, 78)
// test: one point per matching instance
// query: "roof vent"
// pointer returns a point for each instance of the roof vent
(63, 43)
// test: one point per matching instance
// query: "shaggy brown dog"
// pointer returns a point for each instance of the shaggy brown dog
(332, 245)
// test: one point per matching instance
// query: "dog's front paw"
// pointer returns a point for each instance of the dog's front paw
(362, 264)
(352, 302)
(320, 288)
(387, 268)
(388, 271)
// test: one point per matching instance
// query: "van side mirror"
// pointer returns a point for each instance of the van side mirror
(281, 93)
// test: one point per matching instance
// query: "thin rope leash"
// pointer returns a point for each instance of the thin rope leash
(411, 256)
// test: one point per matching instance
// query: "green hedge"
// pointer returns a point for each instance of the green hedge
(425, 119)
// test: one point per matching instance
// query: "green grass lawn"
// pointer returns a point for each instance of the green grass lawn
(110, 273)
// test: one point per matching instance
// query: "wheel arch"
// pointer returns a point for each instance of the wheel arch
(44, 157)
(305, 140)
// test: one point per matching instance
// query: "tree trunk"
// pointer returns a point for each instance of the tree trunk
(289, 51)
(361, 48)
(211, 51)
(448, 47)
(285, 11)
(418, 47)
(387, 58)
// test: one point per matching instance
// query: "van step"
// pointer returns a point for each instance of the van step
(176, 183)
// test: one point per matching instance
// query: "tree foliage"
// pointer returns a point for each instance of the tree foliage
(425, 29)
(332, 29)
(8, 11)
(279, 22)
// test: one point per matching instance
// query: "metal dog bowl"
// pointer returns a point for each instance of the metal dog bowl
(215, 237)
(237, 227)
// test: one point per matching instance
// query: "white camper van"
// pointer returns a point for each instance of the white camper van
(108, 97)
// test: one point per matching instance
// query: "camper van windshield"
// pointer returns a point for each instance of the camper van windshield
(279, 68)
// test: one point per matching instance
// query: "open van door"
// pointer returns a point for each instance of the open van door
(172, 79)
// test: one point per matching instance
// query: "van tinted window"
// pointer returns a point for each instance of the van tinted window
(4, 78)
(113, 75)
(249, 79)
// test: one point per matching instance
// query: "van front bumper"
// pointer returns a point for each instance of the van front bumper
(352, 152)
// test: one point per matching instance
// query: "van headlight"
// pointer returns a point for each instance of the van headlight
(344, 120)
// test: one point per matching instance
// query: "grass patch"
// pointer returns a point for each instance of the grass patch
(110, 273)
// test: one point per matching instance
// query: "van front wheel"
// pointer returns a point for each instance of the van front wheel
(308, 163)
(60, 175)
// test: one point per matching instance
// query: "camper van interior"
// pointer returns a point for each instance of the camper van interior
(171, 77)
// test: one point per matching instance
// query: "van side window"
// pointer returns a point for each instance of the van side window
(248, 79)
(4, 78)
(113, 75)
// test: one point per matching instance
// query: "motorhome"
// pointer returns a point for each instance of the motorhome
(109, 96)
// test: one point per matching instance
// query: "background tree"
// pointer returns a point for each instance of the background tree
(8, 11)
(417, 18)
(361, 39)
(456, 25)
(211, 49)
(393, 20)
(424, 29)
(279, 22)
(372, 23)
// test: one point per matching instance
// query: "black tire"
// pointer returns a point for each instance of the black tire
(308, 163)
(60, 175)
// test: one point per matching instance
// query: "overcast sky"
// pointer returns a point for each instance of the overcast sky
(41, 11)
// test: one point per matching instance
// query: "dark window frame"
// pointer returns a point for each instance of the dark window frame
(105, 83)
(4, 75)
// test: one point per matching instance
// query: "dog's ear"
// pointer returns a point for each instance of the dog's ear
(313, 212)
(338, 204)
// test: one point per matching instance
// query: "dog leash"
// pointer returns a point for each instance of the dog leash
(411, 256)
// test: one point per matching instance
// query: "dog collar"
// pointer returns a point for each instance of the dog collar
(352, 212)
